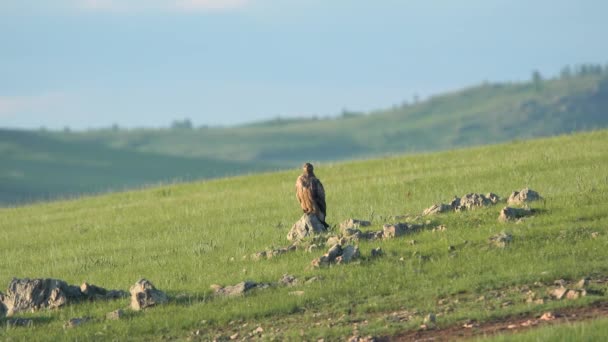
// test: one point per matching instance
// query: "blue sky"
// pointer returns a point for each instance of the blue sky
(93, 63)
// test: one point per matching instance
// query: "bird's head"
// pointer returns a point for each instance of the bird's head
(307, 167)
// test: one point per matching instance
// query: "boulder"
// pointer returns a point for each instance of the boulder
(510, 213)
(472, 201)
(34, 294)
(395, 230)
(308, 224)
(436, 209)
(145, 295)
(337, 255)
(523, 196)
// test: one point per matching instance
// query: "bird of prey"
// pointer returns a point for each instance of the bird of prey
(310, 193)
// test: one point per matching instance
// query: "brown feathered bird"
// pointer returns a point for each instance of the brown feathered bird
(310, 193)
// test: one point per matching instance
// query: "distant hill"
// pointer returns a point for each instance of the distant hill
(39, 165)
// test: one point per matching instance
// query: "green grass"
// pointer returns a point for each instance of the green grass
(42, 165)
(595, 330)
(185, 237)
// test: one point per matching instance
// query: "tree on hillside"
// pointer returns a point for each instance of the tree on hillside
(537, 80)
(182, 124)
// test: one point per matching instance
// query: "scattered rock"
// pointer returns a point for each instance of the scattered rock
(337, 254)
(547, 316)
(595, 235)
(472, 201)
(501, 240)
(396, 230)
(436, 209)
(440, 228)
(74, 322)
(95, 292)
(288, 280)
(308, 224)
(34, 294)
(115, 315)
(559, 292)
(430, 318)
(239, 289)
(376, 252)
(349, 253)
(466, 202)
(523, 196)
(582, 284)
(144, 295)
(234, 336)
(20, 322)
(509, 213)
(354, 223)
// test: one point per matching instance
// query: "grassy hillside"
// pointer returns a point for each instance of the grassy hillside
(186, 237)
(38, 165)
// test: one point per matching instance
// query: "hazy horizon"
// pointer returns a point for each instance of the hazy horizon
(95, 63)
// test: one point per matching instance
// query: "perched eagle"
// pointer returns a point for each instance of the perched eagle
(310, 193)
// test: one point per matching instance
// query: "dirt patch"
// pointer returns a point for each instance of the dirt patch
(512, 324)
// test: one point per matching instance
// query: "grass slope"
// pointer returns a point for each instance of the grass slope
(185, 237)
(37, 167)
(41, 165)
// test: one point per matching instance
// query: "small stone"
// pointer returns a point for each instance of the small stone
(234, 336)
(559, 292)
(74, 322)
(510, 213)
(296, 293)
(115, 315)
(350, 253)
(523, 196)
(595, 235)
(572, 294)
(395, 230)
(376, 252)
(436, 209)
(430, 318)
(582, 283)
(259, 330)
(547, 316)
(19, 322)
(511, 326)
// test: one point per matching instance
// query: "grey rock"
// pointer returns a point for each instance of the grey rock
(115, 315)
(307, 225)
(288, 280)
(395, 230)
(523, 196)
(436, 209)
(349, 253)
(493, 198)
(510, 213)
(376, 252)
(239, 289)
(334, 252)
(90, 291)
(34, 294)
(472, 201)
(354, 223)
(75, 322)
(501, 240)
(145, 295)
(20, 322)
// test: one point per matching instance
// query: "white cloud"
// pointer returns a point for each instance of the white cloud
(160, 5)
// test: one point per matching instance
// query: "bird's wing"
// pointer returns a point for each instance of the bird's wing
(318, 195)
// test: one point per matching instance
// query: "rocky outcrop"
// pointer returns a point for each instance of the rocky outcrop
(466, 202)
(33, 294)
(307, 225)
(523, 196)
(145, 295)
